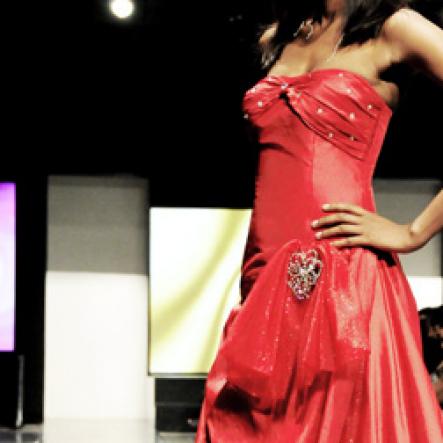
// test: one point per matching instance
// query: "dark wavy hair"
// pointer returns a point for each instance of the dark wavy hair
(363, 20)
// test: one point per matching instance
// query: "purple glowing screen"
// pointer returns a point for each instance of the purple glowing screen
(7, 266)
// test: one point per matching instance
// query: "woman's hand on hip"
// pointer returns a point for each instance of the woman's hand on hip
(358, 227)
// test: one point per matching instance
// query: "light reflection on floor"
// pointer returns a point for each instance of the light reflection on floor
(91, 431)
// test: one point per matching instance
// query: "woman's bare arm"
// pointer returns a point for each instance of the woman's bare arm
(362, 227)
(415, 40)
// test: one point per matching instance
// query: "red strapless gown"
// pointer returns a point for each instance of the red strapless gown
(345, 364)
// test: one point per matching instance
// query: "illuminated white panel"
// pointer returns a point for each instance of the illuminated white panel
(195, 260)
(428, 291)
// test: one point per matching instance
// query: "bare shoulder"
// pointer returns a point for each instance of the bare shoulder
(267, 34)
(398, 24)
(402, 17)
(410, 35)
(404, 21)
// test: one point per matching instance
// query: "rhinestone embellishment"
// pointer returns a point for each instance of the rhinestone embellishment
(304, 269)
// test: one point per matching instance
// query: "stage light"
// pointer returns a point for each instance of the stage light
(122, 9)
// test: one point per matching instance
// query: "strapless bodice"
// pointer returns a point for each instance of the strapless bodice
(320, 135)
(340, 106)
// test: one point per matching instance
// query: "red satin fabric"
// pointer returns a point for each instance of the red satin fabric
(346, 364)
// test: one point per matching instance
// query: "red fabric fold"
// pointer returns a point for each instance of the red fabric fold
(273, 334)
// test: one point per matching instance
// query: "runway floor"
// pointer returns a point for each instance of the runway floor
(91, 431)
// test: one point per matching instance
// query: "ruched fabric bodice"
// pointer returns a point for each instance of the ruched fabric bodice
(320, 135)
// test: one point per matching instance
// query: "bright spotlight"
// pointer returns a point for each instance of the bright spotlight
(122, 8)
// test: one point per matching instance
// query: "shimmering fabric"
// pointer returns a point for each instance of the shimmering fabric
(344, 365)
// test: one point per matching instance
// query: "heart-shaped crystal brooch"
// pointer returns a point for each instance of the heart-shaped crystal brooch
(304, 268)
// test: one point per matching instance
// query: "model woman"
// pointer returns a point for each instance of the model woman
(325, 344)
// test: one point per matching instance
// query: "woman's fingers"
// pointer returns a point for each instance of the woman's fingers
(345, 207)
(341, 217)
(342, 229)
(356, 240)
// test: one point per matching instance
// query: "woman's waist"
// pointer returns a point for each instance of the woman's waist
(275, 221)
(277, 204)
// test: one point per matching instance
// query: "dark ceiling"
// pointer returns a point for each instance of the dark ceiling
(159, 96)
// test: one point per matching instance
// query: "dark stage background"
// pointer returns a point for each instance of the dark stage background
(159, 95)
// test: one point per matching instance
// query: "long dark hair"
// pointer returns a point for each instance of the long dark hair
(363, 20)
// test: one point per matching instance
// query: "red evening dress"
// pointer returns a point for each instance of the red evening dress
(339, 361)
